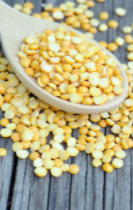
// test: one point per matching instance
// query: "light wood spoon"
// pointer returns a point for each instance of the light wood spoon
(14, 27)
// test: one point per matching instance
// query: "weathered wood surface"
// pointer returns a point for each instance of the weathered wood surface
(91, 189)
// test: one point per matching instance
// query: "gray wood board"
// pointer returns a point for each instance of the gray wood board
(90, 189)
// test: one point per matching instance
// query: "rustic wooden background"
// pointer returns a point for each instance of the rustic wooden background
(91, 189)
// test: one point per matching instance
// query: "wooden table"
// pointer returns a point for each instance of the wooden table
(91, 189)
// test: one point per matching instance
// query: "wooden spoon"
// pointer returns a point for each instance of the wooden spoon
(14, 26)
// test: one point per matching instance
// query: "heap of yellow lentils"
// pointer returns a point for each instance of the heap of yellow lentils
(29, 121)
(68, 66)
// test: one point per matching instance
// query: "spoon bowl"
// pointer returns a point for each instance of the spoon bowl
(14, 26)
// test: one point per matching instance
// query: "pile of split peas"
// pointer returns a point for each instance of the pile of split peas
(69, 67)
(29, 121)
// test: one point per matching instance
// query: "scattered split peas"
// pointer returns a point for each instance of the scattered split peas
(35, 119)
(28, 121)
(26, 8)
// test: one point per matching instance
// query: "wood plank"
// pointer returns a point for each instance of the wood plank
(37, 5)
(118, 184)
(55, 2)
(30, 192)
(6, 172)
(12, 2)
(87, 190)
(108, 178)
(7, 166)
(59, 192)
(60, 188)
(78, 186)
(94, 188)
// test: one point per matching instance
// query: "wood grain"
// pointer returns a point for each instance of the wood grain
(91, 189)
(117, 185)
(30, 193)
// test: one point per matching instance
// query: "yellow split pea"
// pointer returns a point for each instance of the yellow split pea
(112, 24)
(3, 152)
(103, 16)
(112, 47)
